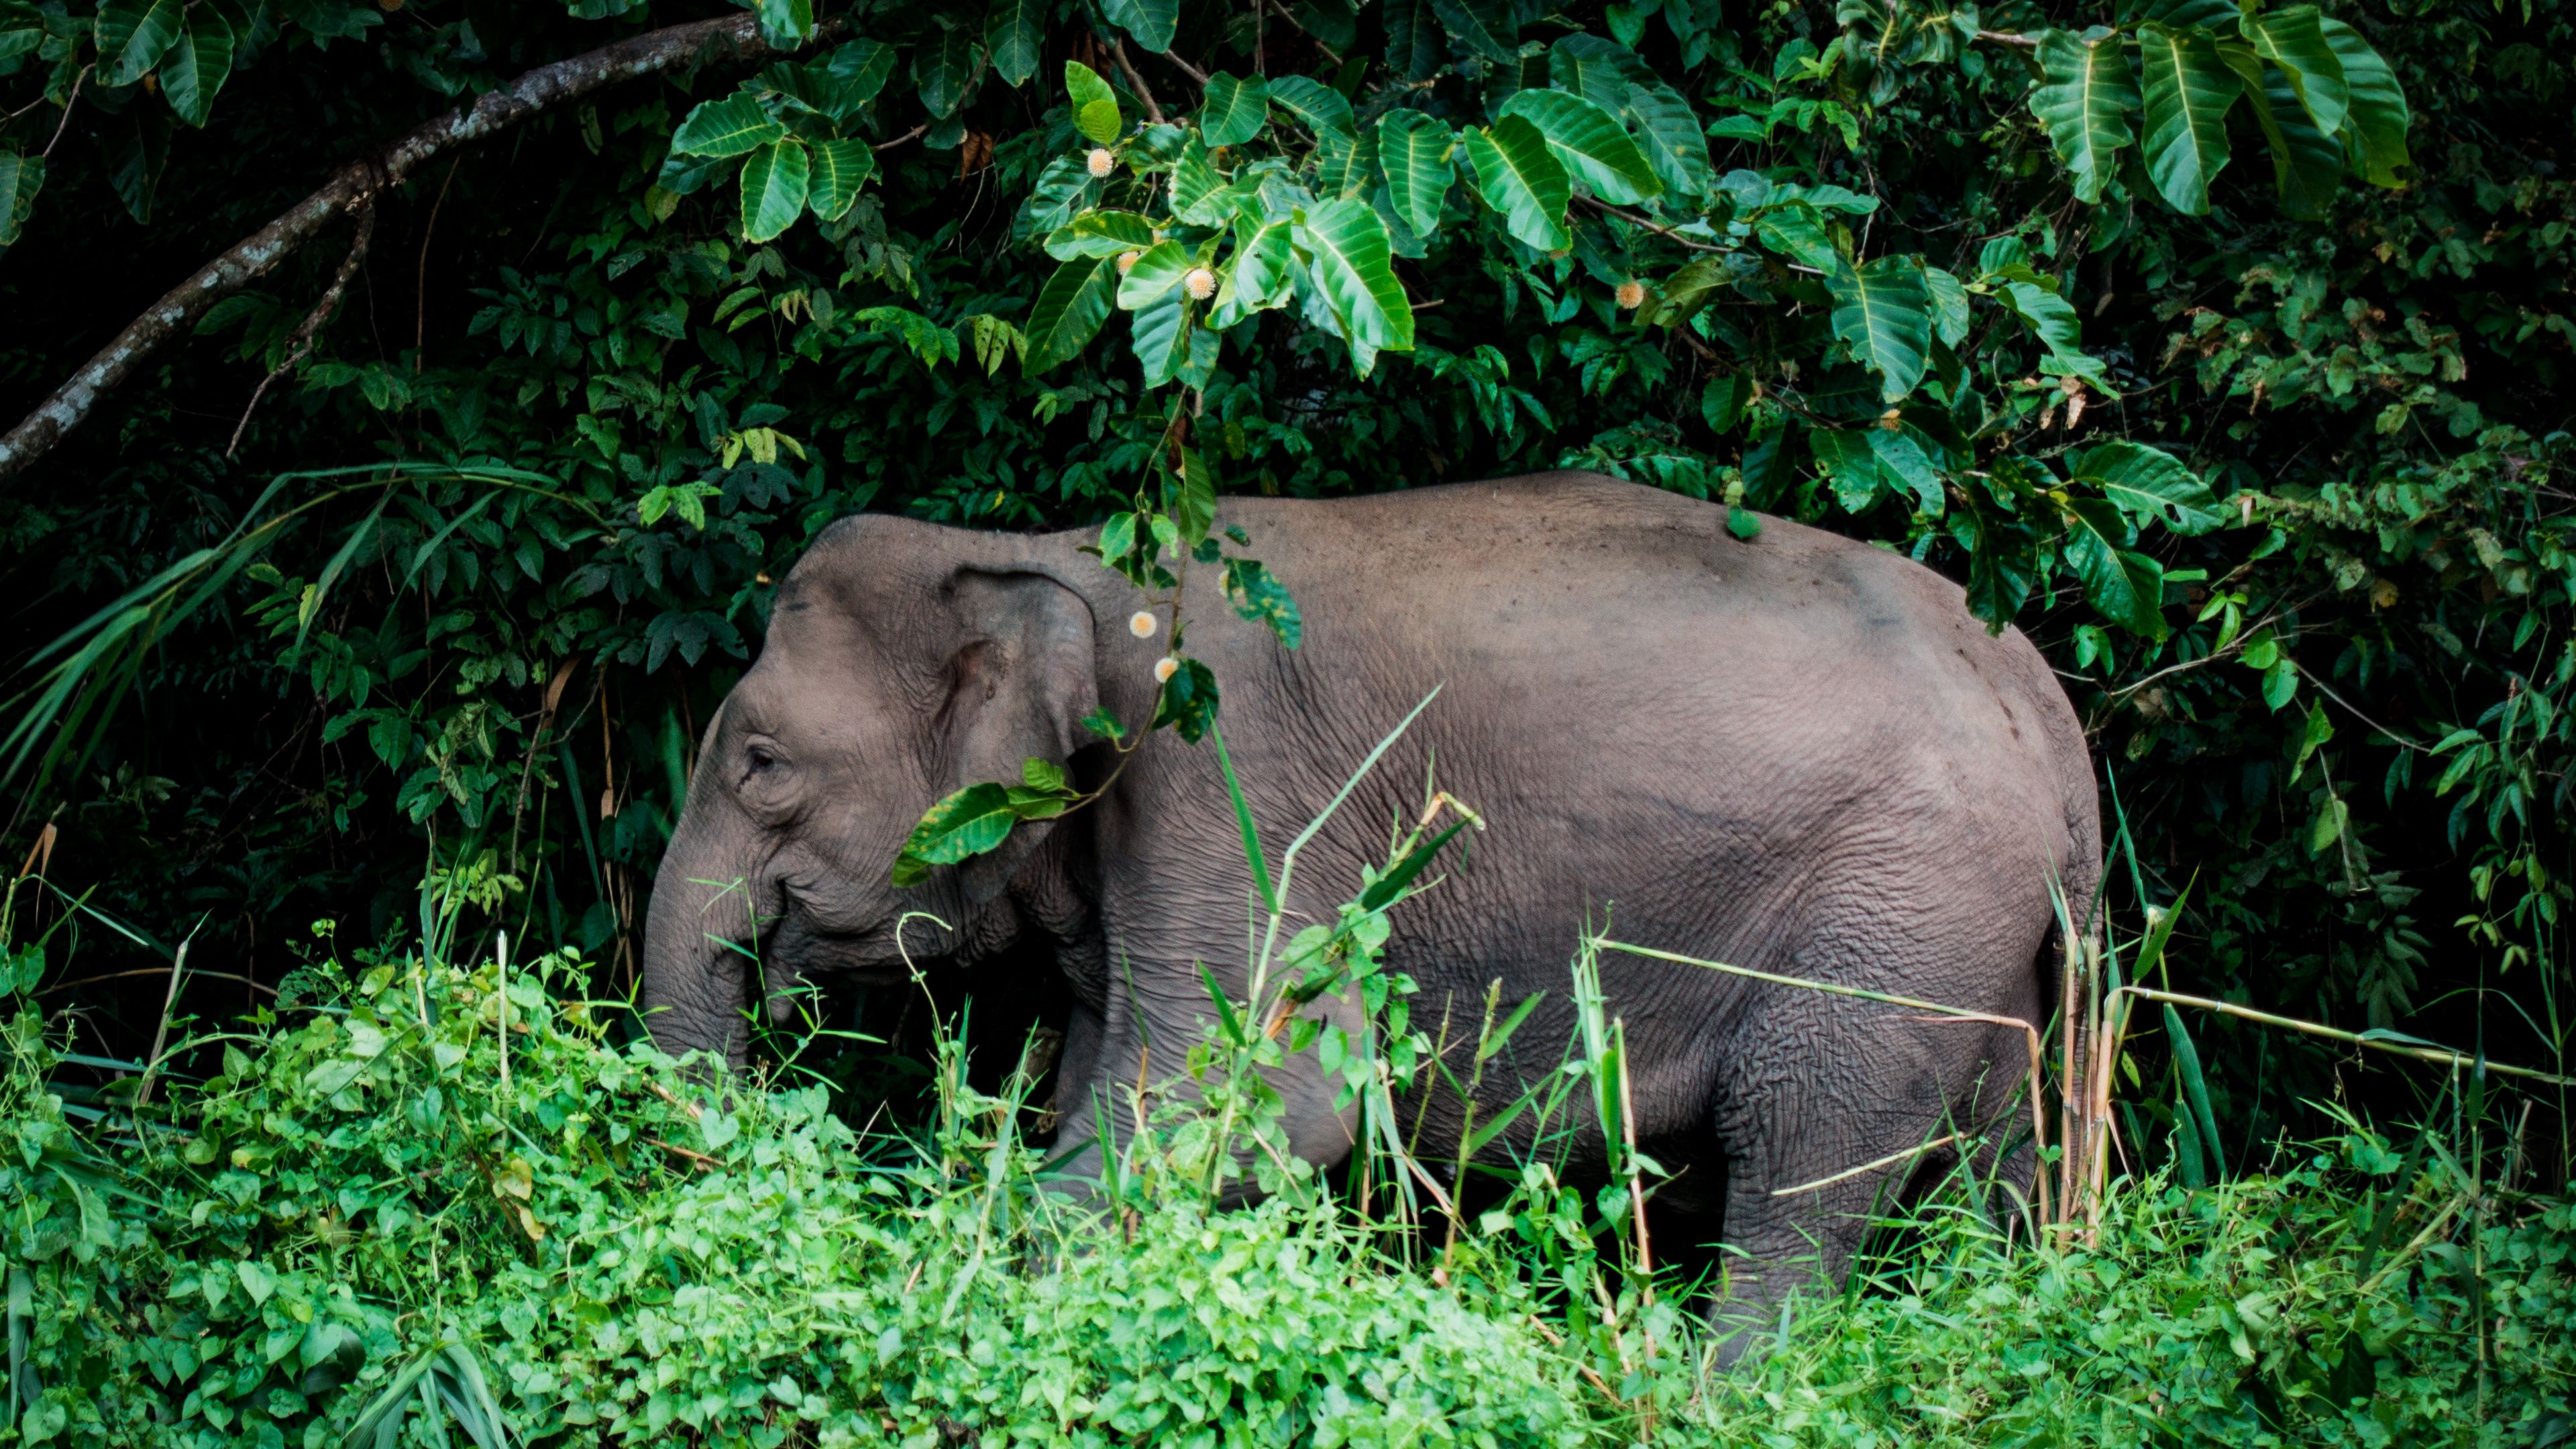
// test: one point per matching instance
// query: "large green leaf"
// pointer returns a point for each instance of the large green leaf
(1596, 68)
(1100, 234)
(1013, 31)
(1884, 311)
(2188, 91)
(1591, 143)
(1150, 21)
(785, 24)
(1844, 456)
(2126, 588)
(1233, 110)
(1413, 150)
(1161, 336)
(193, 69)
(1675, 145)
(859, 70)
(1796, 230)
(1320, 106)
(1903, 460)
(2294, 40)
(2307, 165)
(773, 188)
(734, 126)
(21, 177)
(132, 34)
(1199, 193)
(839, 169)
(944, 69)
(2377, 116)
(1488, 27)
(1519, 177)
(1154, 274)
(1095, 105)
(1069, 311)
(1949, 306)
(969, 823)
(1352, 269)
(2085, 104)
(1264, 268)
(2148, 482)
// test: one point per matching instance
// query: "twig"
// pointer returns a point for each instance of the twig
(922, 129)
(307, 331)
(156, 971)
(420, 283)
(1592, 1375)
(161, 1033)
(2323, 688)
(1890, 1160)
(1196, 75)
(696, 1112)
(2006, 37)
(1144, 92)
(69, 102)
(1633, 219)
(2442, 1055)
(703, 1162)
(674, 47)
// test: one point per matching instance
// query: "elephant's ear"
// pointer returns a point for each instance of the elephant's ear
(1018, 686)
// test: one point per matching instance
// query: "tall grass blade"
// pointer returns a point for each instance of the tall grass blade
(1243, 822)
(2195, 1088)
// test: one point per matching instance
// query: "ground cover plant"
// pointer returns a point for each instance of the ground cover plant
(402, 552)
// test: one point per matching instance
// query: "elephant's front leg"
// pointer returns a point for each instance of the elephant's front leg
(1159, 1015)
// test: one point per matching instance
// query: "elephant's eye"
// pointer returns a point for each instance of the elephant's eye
(759, 759)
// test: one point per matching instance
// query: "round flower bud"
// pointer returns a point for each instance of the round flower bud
(1100, 162)
(1165, 668)
(1142, 624)
(1631, 295)
(1127, 262)
(1201, 283)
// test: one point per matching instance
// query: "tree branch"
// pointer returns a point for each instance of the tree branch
(672, 48)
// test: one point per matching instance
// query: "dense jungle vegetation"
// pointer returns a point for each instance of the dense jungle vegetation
(372, 586)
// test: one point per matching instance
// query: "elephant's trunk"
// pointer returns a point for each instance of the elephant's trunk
(695, 973)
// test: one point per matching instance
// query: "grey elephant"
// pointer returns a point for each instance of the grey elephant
(1794, 753)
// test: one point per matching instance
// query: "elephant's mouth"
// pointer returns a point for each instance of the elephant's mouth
(802, 946)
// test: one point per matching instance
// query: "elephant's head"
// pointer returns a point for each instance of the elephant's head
(895, 672)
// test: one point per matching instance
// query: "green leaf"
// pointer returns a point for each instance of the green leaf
(1413, 149)
(774, 182)
(1845, 458)
(945, 70)
(2148, 482)
(1095, 105)
(1258, 596)
(1675, 145)
(1591, 143)
(1192, 504)
(193, 69)
(1487, 27)
(1884, 311)
(1264, 268)
(1013, 31)
(1199, 195)
(786, 24)
(1949, 306)
(968, 823)
(1232, 112)
(1903, 460)
(2307, 165)
(1070, 308)
(734, 126)
(2188, 91)
(132, 34)
(1188, 702)
(2294, 40)
(1354, 272)
(1797, 231)
(1155, 274)
(839, 169)
(1519, 177)
(2053, 320)
(2085, 104)
(859, 70)
(1150, 21)
(1320, 106)
(1100, 234)
(21, 177)
(2124, 587)
(2377, 116)
(1722, 401)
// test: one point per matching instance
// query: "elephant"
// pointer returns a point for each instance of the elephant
(1791, 752)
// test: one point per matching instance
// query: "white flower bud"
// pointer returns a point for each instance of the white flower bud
(1142, 624)
(1201, 283)
(1631, 295)
(1165, 668)
(1127, 262)
(1101, 161)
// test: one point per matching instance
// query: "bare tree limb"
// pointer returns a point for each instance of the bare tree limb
(1144, 92)
(671, 48)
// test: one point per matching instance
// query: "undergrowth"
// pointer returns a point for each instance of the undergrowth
(366, 1229)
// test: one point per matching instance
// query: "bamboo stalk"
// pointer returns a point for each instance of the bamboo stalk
(2441, 1055)
(161, 1033)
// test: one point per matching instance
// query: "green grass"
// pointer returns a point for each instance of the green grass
(353, 1220)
